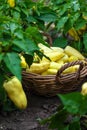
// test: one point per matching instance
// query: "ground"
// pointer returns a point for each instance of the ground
(38, 107)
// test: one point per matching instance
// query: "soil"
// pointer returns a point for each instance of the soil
(39, 107)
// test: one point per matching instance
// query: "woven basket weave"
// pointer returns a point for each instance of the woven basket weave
(50, 85)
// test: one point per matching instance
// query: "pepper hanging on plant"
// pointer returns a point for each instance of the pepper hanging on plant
(15, 92)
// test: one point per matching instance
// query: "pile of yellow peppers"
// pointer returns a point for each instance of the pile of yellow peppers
(58, 57)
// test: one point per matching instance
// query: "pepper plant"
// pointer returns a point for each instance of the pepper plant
(65, 22)
(18, 35)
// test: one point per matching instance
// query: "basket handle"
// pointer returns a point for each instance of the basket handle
(58, 75)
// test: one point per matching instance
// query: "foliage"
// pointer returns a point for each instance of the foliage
(69, 113)
(18, 35)
(57, 17)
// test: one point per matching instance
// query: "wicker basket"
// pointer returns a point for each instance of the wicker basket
(50, 85)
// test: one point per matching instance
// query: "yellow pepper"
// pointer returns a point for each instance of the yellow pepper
(72, 32)
(23, 62)
(84, 88)
(11, 3)
(84, 17)
(70, 51)
(15, 92)
(73, 58)
(55, 65)
(38, 67)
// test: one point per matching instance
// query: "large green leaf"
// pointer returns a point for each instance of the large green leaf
(31, 46)
(12, 62)
(74, 102)
(27, 46)
(34, 34)
(21, 45)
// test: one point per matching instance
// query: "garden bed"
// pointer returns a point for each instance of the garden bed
(38, 107)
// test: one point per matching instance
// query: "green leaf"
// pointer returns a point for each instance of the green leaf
(60, 42)
(74, 18)
(58, 1)
(24, 11)
(34, 34)
(28, 59)
(48, 17)
(68, 25)
(32, 46)
(58, 119)
(71, 101)
(76, 6)
(18, 33)
(80, 23)
(26, 45)
(75, 125)
(62, 9)
(21, 45)
(31, 19)
(13, 26)
(61, 22)
(12, 62)
(1, 56)
(74, 102)
(16, 14)
(85, 41)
